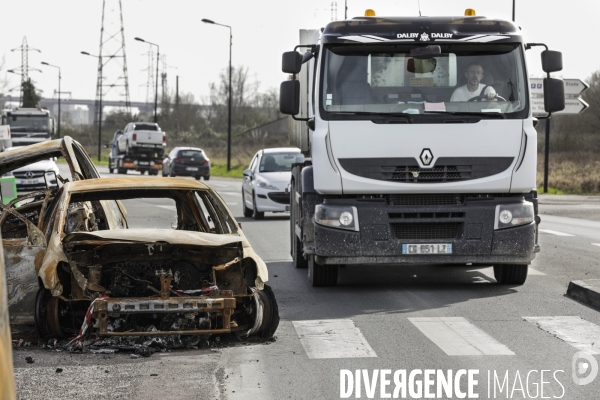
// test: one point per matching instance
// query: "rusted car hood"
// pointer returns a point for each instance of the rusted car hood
(169, 236)
(11, 160)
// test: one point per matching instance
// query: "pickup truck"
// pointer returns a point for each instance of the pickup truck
(142, 137)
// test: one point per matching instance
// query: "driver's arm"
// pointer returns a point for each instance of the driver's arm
(491, 93)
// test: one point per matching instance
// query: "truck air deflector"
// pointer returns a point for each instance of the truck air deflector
(408, 170)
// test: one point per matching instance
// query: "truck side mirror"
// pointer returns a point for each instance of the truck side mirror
(554, 95)
(291, 62)
(552, 61)
(289, 97)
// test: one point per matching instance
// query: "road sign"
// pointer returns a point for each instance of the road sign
(573, 87)
(572, 106)
(573, 103)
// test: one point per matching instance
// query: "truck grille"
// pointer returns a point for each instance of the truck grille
(439, 173)
(422, 231)
(425, 199)
(422, 215)
(408, 170)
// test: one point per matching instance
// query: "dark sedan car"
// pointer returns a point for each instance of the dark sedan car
(187, 161)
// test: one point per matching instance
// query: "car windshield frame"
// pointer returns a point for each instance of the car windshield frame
(428, 108)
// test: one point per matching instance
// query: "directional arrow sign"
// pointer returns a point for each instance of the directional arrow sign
(572, 106)
(573, 103)
(573, 87)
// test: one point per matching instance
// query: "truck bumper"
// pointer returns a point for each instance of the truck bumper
(468, 228)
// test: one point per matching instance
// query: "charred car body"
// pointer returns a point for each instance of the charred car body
(202, 277)
(22, 219)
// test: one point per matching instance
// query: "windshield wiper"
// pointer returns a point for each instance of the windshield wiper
(379, 114)
(468, 113)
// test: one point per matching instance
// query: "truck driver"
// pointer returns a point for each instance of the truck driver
(474, 74)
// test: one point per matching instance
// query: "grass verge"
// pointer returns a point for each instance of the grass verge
(551, 190)
(221, 170)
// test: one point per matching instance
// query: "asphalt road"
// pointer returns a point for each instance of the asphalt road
(378, 317)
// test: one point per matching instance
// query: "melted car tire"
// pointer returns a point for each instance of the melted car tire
(511, 274)
(270, 313)
(47, 315)
(41, 301)
(247, 211)
(321, 275)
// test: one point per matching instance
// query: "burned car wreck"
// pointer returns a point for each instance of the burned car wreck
(199, 277)
(23, 219)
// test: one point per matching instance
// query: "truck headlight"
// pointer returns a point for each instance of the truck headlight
(509, 215)
(341, 217)
(266, 185)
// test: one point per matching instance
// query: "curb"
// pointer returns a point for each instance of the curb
(586, 292)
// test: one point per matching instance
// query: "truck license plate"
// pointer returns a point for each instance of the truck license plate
(144, 163)
(437, 248)
(29, 182)
(192, 168)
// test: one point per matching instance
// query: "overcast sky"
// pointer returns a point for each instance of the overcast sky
(262, 30)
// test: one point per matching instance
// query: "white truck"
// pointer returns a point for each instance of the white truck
(421, 141)
(27, 125)
(142, 137)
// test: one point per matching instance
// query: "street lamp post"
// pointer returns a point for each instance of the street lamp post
(59, 78)
(99, 105)
(208, 21)
(156, 79)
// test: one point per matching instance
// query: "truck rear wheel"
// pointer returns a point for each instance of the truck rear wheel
(511, 274)
(321, 275)
(110, 168)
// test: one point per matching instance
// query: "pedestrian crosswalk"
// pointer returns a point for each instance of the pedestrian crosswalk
(455, 336)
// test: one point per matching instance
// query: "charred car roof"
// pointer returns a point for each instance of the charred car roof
(104, 184)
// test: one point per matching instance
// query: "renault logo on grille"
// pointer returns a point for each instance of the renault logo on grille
(426, 156)
(28, 174)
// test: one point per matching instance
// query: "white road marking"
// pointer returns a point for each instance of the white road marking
(557, 233)
(232, 204)
(172, 208)
(578, 332)
(595, 244)
(229, 193)
(333, 338)
(458, 337)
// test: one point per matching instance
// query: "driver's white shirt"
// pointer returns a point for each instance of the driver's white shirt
(464, 94)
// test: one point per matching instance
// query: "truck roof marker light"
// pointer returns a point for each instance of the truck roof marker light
(469, 12)
(369, 12)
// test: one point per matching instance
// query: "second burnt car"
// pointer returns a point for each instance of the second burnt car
(24, 217)
(200, 276)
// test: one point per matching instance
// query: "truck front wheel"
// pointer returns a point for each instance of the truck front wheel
(321, 275)
(511, 274)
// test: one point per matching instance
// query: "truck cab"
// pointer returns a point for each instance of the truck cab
(422, 144)
(28, 125)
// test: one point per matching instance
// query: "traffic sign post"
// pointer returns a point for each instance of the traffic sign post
(573, 105)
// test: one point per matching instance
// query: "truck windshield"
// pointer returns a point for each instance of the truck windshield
(366, 81)
(26, 123)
